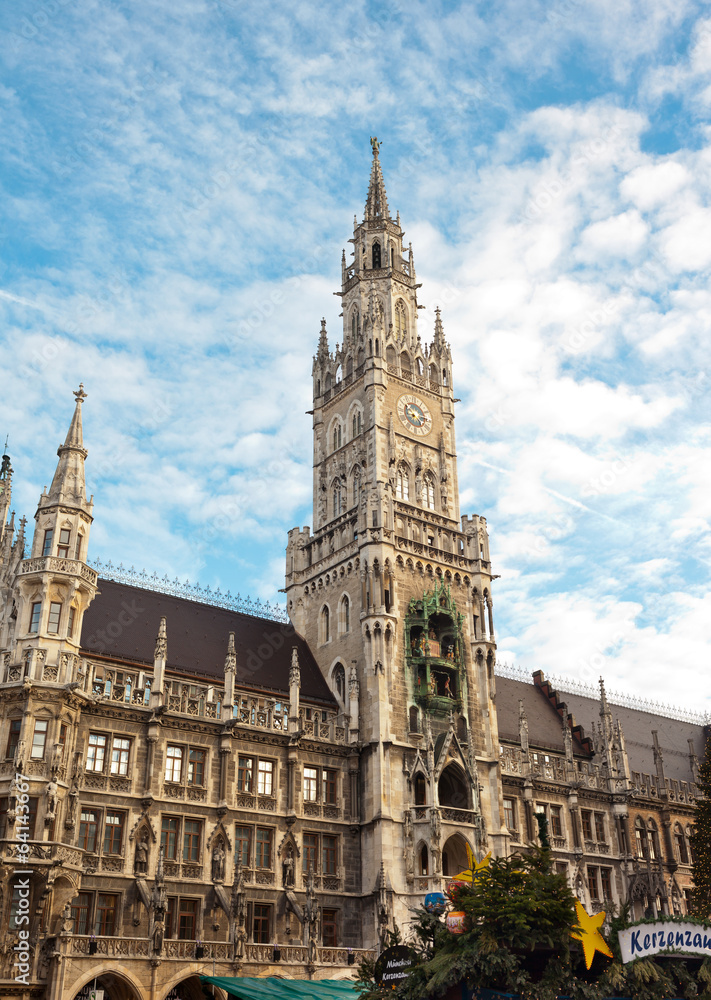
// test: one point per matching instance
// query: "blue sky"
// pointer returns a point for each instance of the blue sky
(178, 181)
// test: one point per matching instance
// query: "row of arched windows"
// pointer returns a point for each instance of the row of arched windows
(338, 430)
(343, 624)
(402, 487)
(647, 841)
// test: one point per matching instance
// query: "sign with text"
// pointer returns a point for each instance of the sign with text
(680, 938)
(393, 965)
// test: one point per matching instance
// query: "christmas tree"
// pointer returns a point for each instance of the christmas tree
(701, 839)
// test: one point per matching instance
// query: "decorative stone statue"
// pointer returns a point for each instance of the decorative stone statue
(51, 793)
(287, 869)
(218, 862)
(158, 934)
(140, 865)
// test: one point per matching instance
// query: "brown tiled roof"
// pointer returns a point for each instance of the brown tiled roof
(545, 730)
(122, 622)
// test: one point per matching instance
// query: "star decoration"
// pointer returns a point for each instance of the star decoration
(474, 866)
(590, 935)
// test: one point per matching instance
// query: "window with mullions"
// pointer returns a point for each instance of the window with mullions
(106, 907)
(263, 854)
(265, 777)
(174, 764)
(113, 832)
(510, 815)
(187, 919)
(13, 738)
(169, 837)
(35, 616)
(428, 491)
(120, 750)
(329, 855)
(47, 543)
(242, 840)
(606, 883)
(192, 831)
(55, 613)
(39, 739)
(95, 752)
(81, 908)
(310, 853)
(196, 768)
(329, 780)
(310, 784)
(63, 546)
(586, 821)
(556, 813)
(88, 828)
(261, 924)
(245, 771)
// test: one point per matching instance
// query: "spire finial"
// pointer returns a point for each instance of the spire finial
(161, 650)
(375, 145)
(376, 205)
(80, 395)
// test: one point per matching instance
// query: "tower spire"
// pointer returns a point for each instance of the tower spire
(376, 205)
(68, 483)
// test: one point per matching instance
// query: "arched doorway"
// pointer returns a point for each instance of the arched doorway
(190, 989)
(454, 856)
(115, 985)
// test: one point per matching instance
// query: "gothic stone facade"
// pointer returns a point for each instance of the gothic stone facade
(210, 787)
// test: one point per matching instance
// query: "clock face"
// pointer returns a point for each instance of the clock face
(414, 415)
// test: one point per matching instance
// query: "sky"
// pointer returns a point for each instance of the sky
(178, 179)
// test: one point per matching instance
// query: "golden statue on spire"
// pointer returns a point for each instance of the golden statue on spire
(375, 144)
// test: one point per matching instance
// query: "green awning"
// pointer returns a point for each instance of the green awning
(273, 988)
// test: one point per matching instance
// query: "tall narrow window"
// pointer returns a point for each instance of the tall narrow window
(336, 499)
(55, 613)
(196, 768)
(106, 905)
(428, 491)
(192, 829)
(376, 255)
(329, 855)
(262, 923)
(337, 436)
(174, 764)
(330, 928)
(242, 846)
(402, 484)
(47, 544)
(39, 738)
(70, 622)
(244, 774)
(310, 855)
(265, 777)
(400, 319)
(329, 787)
(95, 752)
(325, 624)
(187, 917)
(264, 848)
(169, 837)
(63, 546)
(80, 913)
(310, 784)
(113, 832)
(510, 815)
(356, 489)
(77, 550)
(88, 825)
(120, 751)
(346, 614)
(35, 618)
(13, 738)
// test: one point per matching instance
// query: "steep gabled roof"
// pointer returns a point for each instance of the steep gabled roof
(123, 620)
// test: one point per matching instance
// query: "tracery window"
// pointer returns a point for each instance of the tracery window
(400, 318)
(376, 255)
(337, 436)
(402, 483)
(336, 499)
(428, 491)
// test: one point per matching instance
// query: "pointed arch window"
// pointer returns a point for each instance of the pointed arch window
(428, 491)
(402, 484)
(354, 324)
(345, 614)
(339, 680)
(357, 423)
(336, 499)
(356, 488)
(325, 624)
(424, 861)
(376, 255)
(681, 844)
(420, 789)
(400, 318)
(337, 436)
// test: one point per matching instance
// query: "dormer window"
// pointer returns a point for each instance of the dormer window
(63, 547)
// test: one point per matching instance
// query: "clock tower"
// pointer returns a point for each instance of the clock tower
(392, 588)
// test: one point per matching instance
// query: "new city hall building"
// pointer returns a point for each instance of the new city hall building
(191, 785)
